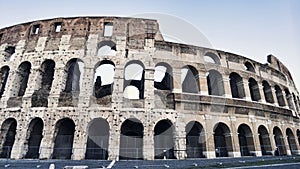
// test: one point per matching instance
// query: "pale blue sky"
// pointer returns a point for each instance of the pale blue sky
(253, 28)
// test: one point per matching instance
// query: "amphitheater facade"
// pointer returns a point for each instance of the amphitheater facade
(111, 88)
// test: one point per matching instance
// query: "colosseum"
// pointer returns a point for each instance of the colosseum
(111, 88)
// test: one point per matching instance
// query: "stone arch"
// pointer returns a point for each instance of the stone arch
(46, 75)
(22, 77)
(264, 140)
(98, 138)
(246, 140)
(64, 135)
(254, 89)
(8, 133)
(104, 79)
(222, 140)
(163, 76)
(212, 58)
(249, 67)
(107, 48)
(289, 99)
(215, 83)
(279, 96)
(291, 141)
(164, 140)
(131, 140)
(34, 137)
(4, 72)
(190, 79)
(195, 140)
(134, 78)
(279, 141)
(74, 70)
(236, 85)
(268, 92)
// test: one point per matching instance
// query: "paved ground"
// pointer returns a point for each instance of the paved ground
(156, 164)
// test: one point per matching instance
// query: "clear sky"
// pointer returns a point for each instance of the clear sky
(253, 28)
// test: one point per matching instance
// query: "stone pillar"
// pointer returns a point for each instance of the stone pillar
(18, 146)
(57, 87)
(287, 146)
(297, 152)
(180, 141)
(227, 88)
(32, 84)
(177, 81)
(255, 136)
(247, 90)
(148, 140)
(80, 141)
(86, 86)
(285, 100)
(114, 139)
(210, 145)
(261, 93)
(273, 144)
(46, 146)
(274, 96)
(234, 139)
(203, 83)
(149, 88)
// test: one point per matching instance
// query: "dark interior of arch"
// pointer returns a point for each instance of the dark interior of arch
(190, 83)
(264, 141)
(9, 51)
(108, 43)
(73, 77)
(245, 140)
(163, 140)
(215, 83)
(97, 143)
(131, 140)
(63, 143)
(249, 67)
(24, 71)
(8, 132)
(291, 141)
(279, 96)
(35, 135)
(254, 90)
(237, 86)
(268, 92)
(195, 140)
(3, 79)
(221, 140)
(289, 99)
(40, 97)
(281, 150)
(296, 102)
(139, 84)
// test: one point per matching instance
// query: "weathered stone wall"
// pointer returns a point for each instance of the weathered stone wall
(136, 39)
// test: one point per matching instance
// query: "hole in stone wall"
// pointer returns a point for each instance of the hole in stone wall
(189, 79)
(9, 54)
(195, 140)
(279, 96)
(134, 80)
(268, 92)
(289, 99)
(107, 48)
(236, 85)
(108, 29)
(4, 72)
(215, 83)
(254, 90)
(8, 132)
(34, 137)
(163, 78)
(249, 67)
(57, 26)
(35, 29)
(212, 58)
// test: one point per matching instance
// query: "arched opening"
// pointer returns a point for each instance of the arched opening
(222, 139)
(104, 79)
(33, 138)
(74, 71)
(107, 48)
(279, 141)
(279, 96)
(195, 140)
(298, 136)
(249, 67)
(212, 58)
(163, 140)
(289, 99)
(246, 140)
(63, 144)
(190, 79)
(215, 83)
(9, 53)
(268, 92)
(163, 77)
(134, 80)
(131, 140)
(97, 141)
(254, 89)
(264, 140)
(236, 86)
(8, 132)
(291, 141)
(40, 97)
(3, 79)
